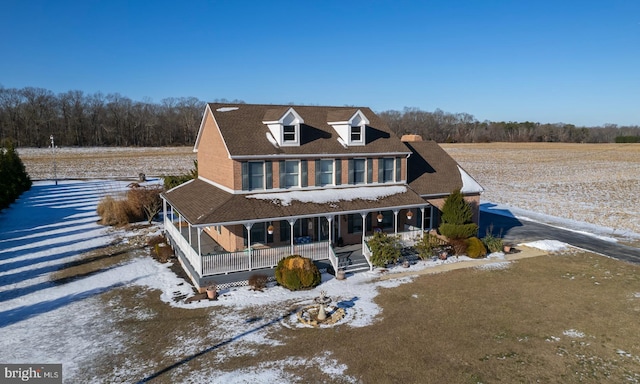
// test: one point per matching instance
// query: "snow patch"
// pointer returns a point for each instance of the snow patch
(548, 245)
(226, 109)
(323, 196)
(573, 334)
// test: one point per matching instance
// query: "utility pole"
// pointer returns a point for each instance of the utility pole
(53, 151)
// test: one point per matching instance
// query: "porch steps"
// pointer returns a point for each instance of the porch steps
(352, 261)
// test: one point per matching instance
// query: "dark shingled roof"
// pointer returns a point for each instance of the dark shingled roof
(245, 134)
(202, 203)
(431, 171)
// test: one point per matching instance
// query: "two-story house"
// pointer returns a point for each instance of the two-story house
(279, 180)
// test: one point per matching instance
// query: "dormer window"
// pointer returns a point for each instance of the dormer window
(284, 127)
(356, 134)
(350, 126)
(289, 134)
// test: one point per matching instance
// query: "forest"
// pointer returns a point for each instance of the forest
(29, 116)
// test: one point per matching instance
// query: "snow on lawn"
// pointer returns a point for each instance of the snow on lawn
(45, 321)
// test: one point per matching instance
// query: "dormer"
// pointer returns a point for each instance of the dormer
(286, 129)
(352, 131)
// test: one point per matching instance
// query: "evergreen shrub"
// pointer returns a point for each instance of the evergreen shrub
(296, 272)
(475, 248)
(385, 249)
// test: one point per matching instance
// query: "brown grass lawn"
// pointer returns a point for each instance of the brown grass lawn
(463, 326)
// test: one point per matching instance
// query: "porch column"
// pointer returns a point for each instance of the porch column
(422, 224)
(248, 226)
(364, 227)
(164, 211)
(200, 251)
(395, 221)
(291, 222)
(189, 229)
(179, 223)
(329, 220)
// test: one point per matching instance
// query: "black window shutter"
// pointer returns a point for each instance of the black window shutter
(398, 168)
(304, 173)
(281, 173)
(350, 170)
(338, 171)
(268, 177)
(381, 170)
(369, 171)
(317, 173)
(245, 176)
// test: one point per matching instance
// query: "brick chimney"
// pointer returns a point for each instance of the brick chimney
(410, 138)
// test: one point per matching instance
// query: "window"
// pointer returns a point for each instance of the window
(387, 220)
(386, 170)
(290, 175)
(289, 133)
(324, 172)
(354, 223)
(357, 171)
(356, 133)
(258, 234)
(256, 175)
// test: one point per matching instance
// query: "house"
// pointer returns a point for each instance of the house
(279, 180)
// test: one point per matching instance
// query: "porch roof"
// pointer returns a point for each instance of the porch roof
(201, 203)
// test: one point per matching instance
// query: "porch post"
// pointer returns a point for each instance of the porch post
(248, 226)
(395, 221)
(189, 229)
(329, 220)
(200, 251)
(292, 222)
(364, 227)
(422, 224)
(164, 211)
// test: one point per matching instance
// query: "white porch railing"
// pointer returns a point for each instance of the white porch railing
(226, 262)
(406, 238)
(333, 259)
(366, 252)
(183, 244)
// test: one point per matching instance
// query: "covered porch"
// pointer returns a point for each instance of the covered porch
(216, 233)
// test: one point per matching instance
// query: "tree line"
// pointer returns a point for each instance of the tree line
(29, 116)
(445, 127)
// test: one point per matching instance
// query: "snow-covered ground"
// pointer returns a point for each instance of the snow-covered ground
(46, 320)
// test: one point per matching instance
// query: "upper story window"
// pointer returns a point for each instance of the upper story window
(290, 174)
(356, 134)
(289, 134)
(324, 172)
(357, 171)
(386, 170)
(256, 175)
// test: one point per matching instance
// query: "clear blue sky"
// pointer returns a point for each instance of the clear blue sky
(543, 61)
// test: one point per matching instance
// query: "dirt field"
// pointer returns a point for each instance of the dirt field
(593, 183)
(99, 162)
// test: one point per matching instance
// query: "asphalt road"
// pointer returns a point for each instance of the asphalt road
(520, 231)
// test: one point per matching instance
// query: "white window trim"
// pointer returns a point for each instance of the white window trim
(333, 172)
(299, 174)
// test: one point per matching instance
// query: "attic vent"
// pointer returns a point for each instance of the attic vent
(226, 109)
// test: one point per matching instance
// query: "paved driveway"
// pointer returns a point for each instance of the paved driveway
(518, 231)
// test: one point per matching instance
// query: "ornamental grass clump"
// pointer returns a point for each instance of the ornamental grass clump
(296, 272)
(493, 243)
